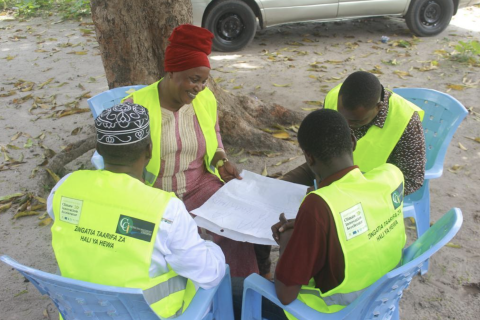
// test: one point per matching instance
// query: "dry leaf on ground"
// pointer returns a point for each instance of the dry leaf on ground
(45, 83)
(476, 139)
(25, 214)
(285, 161)
(11, 197)
(65, 113)
(281, 135)
(402, 74)
(5, 207)
(458, 87)
(453, 245)
(45, 222)
(53, 175)
(455, 168)
(314, 103)
(238, 153)
(8, 94)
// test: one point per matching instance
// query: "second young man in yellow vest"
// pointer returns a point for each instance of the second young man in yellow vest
(111, 228)
(349, 232)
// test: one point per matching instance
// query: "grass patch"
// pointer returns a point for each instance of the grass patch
(68, 9)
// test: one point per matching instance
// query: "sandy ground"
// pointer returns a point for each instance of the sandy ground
(287, 65)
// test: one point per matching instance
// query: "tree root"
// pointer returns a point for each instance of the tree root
(67, 155)
(242, 118)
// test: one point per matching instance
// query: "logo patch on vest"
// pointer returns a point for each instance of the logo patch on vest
(397, 196)
(354, 222)
(135, 228)
(70, 210)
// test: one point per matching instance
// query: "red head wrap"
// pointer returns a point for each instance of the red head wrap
(189, 47)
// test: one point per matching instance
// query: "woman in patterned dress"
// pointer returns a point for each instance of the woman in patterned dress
(186, 136)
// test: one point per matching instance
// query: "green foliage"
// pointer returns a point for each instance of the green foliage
(467, 51)
(73, 9)
(68, 9)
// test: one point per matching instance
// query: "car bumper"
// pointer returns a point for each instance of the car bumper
(467, 3)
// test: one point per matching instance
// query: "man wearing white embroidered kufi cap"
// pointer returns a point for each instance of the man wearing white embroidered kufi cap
(112, 229)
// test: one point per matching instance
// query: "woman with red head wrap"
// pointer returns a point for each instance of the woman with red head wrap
(188, 156)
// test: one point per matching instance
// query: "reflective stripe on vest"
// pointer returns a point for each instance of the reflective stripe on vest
(95, 246)
(205, 106)
(375, 147)
(368, 214)
(164, 289)
(342, 299)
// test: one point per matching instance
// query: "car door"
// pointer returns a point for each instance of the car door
(359, 8)
(285, 11)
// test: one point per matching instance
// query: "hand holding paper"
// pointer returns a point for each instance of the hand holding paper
(245, 210)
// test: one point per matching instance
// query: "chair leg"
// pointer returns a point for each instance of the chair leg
(224, 305)
(422, 216)
(396, 314)
(251, 305)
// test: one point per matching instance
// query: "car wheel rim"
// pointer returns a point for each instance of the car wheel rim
(230, 26)
(431, 13)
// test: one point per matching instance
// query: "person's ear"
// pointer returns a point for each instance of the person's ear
(309, 158)
(96, 148)
(148, 152)
(354, 141)
(170, 75)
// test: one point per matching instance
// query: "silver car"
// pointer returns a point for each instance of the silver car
(234, 22)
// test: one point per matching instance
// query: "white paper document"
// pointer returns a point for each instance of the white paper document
(245, 210)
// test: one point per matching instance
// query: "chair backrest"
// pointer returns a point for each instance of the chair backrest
(443, 115)
(110, 98)
(83, 300)
(381, 299)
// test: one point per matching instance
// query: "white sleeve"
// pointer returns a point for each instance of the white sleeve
(50, 197)
(179, 244)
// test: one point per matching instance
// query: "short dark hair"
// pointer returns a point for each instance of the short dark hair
(325, 134)
(123, 154)
(361, 88)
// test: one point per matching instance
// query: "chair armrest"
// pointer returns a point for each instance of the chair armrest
(218, 300)
(201, 303)
(256, 286)
(434, 173)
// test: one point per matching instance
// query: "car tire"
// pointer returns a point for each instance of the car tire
(233, 24)
(429, 17)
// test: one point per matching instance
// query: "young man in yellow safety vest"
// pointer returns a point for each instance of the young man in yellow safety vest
(349, 232)
(112, 229)
(388, 129)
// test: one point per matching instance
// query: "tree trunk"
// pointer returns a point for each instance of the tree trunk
(133, 35)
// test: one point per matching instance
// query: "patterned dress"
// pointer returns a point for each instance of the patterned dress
(183, 172)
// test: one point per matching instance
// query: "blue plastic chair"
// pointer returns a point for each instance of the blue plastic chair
(110, 98)
(443, 115)
(380, 300)
(80, 300)
(104, 101)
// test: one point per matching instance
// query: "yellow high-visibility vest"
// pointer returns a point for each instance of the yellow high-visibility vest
(374, 148)
(368, 214)
(205, 106)
(104, 232)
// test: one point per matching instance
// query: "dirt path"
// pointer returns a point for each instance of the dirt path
(288, 65)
